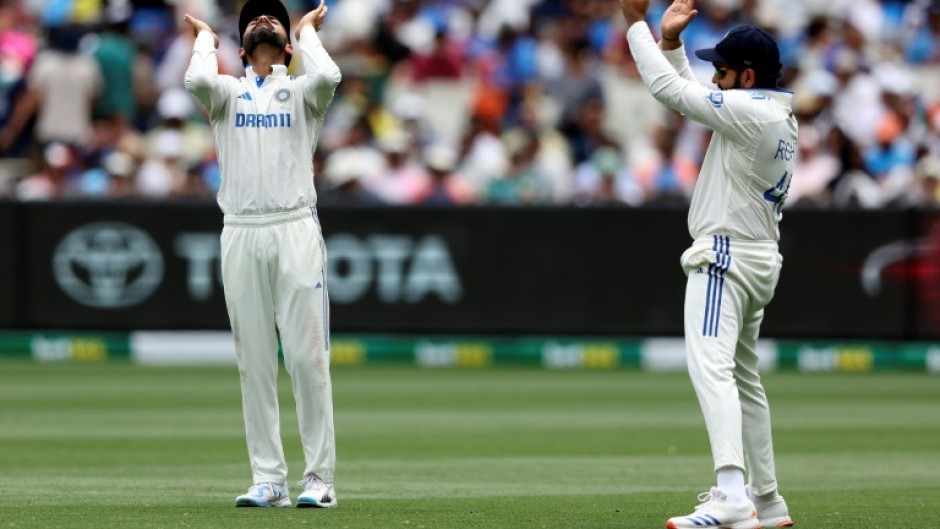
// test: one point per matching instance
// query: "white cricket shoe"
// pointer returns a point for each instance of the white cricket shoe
(265, 495)
(316, 494)
(772, 512)
(716, 511)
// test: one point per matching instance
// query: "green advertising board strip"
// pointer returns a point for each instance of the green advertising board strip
(472, 352)
(54, 346)
(654, 354)
(477, 352)
(860, 357)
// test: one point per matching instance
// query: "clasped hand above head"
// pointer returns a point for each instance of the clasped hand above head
(313, 18)
(198, 25)
(675, 19)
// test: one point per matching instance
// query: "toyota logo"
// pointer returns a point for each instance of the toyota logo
(108, 265)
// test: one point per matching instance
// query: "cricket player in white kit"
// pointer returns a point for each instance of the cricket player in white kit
(273, 256)
(733, 264)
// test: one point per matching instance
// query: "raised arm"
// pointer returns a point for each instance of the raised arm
(202, 75)
(322, 75)
(676, 18)
(725, 112)
(709, 107)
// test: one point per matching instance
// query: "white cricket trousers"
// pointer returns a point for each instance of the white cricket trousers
(729, 284)
(274, 276)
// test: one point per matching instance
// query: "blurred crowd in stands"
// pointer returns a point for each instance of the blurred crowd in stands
(450, 102)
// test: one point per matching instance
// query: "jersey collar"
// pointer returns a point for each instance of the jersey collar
(278, 70)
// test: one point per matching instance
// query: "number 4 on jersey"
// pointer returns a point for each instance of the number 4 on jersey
(777, 195)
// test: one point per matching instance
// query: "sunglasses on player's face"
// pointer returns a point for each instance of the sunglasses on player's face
(721, 71)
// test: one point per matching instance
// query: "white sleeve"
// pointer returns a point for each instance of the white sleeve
(321, 75)
(680, 61)
(202, 76)
(728, 113)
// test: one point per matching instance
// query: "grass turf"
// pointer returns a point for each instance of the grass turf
(117, 445)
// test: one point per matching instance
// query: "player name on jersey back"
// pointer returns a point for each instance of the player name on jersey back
(262, 120)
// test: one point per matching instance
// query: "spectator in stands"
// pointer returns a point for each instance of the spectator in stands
(56, 178)
(358, 140)
(116, 55)
(853, 187)
(442, 62)
(927, 173)
(193, 185)
(603, 180)
(351, 104)
(164, 175)
(17, 51)
(409, 110)
(386, 40)
(857, 105)
(523, 183)
(523, 68)
(580, 95)
(93, 180)
(816, 170)
(171, 69)
(446, 188)
(121, 168)
(892, 151)
(61, 89)
(922, 41)
(482, 154)
(817, 41)
(899, 96)
(176, 111)
(113, 133)
(341, 183)
(510, 65)
(402, 181)
(553, 159)
(663, 173)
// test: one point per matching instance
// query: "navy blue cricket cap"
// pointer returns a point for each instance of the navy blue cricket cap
(255, 8)
(747, 46)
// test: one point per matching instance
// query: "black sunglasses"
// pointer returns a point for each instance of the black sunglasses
(721, 71)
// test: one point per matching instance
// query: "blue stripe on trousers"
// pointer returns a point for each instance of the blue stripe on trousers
(708, 300)
(716, 284)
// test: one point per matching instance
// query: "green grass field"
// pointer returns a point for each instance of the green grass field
(117, 445)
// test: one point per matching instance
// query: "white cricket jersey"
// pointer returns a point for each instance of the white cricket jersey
(744, 178)
(265, 135)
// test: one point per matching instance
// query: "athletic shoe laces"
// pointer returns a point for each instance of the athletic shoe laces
(311, 481)
(709, 497)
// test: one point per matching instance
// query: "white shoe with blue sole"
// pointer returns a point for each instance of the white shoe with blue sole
(316, 494)
(716, 511)
(265, 495)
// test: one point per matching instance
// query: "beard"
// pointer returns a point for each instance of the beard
(264, 36)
